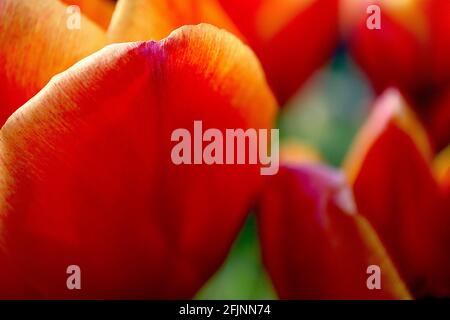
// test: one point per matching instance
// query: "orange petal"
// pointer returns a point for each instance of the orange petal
(291, 38)
(136, 20)
(88, 177)
(445, 185)
(295, 152)
(314, 245)
(99, 11)
(35, 44)
(441, 164)
(395, 190)
(441, 167)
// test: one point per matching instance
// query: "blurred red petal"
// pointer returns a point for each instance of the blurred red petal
(441, 166)
(314, 245)
(410, 56)
(291, 38)
(391, 56)
(439, 12)
(87, 177)
(437, 119)
(395, 189)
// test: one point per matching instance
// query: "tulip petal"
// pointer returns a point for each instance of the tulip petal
(36, 44)
(291, 38)
(99, 11)
(136, 20)
(439, 11)
(391, 55)
(389, 108)
(389, 168)
(410, 56)
(314, 244)
(437, 119)
(88, 177)
(441, 165)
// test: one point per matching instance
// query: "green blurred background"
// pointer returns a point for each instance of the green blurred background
(326, 114)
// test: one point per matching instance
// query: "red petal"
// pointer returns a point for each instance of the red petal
(410, 56)
(291, 38)
(438, 119)
(395, 189)
(392, 55)
(314, 245)
(87, 177)
(439, 12)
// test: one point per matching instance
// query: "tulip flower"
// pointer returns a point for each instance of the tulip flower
(25, 30)
(396, 189)
(410, 52)
(87, 117)
(269, 27)
(317, 240)
(291, 39)
(86, 176)
(314, 244)
(79, 183)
